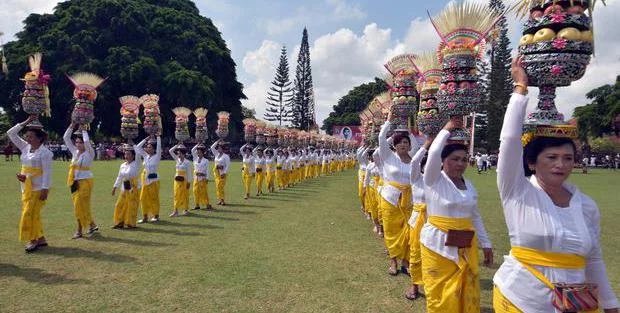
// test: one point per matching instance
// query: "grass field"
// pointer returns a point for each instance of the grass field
(307, 249)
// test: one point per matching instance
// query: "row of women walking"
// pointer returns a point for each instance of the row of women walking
(426, 211)
(138, 179)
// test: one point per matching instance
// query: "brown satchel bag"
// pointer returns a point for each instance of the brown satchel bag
(460, 238)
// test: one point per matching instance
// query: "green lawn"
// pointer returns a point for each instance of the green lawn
(307, 249)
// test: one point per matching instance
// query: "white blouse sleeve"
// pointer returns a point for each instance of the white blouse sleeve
(188, 168)
(595, 267)
(13, 134)
(481, 232)
(510, 174)
(67, 139)
(158, 149)
(432, 170)
(208, 174)
(172, 154)
(87, 145)
(46, 165)
(214, 149)
(194, 153)
(119, 178)
(138, 148)
(415, 145)
(384, 146)
(415, 164)
(367, 176)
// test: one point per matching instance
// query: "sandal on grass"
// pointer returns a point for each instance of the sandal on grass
(393, 271)
(412, 294)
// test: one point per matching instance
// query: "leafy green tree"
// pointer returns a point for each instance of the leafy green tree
(158, 46)
(346, 112)
(600, 117)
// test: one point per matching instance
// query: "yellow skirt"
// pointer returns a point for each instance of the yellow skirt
(360, 186)
(448, 287)
(247, 180)
(260, 177)
(181, 195)
(501, 304)
(371, 205)
(201, 194)
(30, 225)
(149, 199)
(270, 176)
(396, 229)
(81, 202)
(415, 254)
(220, 183)
(280, 178)
(126, 209)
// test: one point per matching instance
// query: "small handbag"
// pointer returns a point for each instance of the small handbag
(127, 185)
(575, 297)
(75, 186)
(152, 176)
(259, 170)
(219, 167)
(460, 238)
(201, 175)
(179, 178)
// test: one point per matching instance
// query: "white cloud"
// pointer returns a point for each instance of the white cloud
(261, 64)
(13, 12)
(341, 10)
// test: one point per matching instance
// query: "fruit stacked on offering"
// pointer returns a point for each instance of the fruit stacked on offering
(84, 94)
(429, 119)
(271, 135)
(282, 132)
(35, 100)
(402, 80)
(181, 121)
(260, 132)
(249, 130)
(152, 119)
(222, 124)
(556, 46)
(202, 132)
(130, 106)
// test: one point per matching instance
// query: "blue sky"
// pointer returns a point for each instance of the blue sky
(349, 41)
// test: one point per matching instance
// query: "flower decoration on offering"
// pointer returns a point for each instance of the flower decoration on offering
(202, 132)
(130, 107)
(463, 29)
(429, 120)
(281, 131)
(84, 94)
(271, 134)
(293, 137)
(222, 124)
(402, 84)
(261, 132)
(314, 137)
(181, 121)
(249, 130)
(152, 119)
(557, 44)
(36, 97)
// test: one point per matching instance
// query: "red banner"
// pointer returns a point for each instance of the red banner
(348, 132)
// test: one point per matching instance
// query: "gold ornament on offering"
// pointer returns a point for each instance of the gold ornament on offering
(402, 89)
(260, 132)
(35, 100)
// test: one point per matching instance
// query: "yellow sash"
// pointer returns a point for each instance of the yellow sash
(467, 256)
(529, 257)
(405, 193)
(30, 172)
(421, 209)
(269, 167)
(72, 169)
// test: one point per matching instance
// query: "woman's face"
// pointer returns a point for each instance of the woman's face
(259, 153)
(220, 149)
(200, 153)
(128, 156)
(554, 164)
(181, 154)
(150, 150)
(79, 144)
(31, 138)
(455, 163)
(403, 146)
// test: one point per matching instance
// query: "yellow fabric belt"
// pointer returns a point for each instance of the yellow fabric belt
(30, 172)
(405, 194)
(181, 173)
(72, 169)
(529, 257)
(446, 223)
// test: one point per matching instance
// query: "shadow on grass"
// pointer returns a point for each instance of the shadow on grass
(35, 275)
(243, 205)
(168, 223)
(72, 252)
(143, 243)
(165, 231)
(486, 284)
(235, 211)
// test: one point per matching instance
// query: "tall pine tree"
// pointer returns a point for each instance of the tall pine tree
(303, 105)
(483, 68)
(500, 84)
(280, 95)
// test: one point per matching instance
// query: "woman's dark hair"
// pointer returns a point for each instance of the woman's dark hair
(449, 149)
(75, 137)
(177, 150)
(399, 136)
(371, 152)
(39, 133)
(133, 152)
(152, 144)
(423, 162)
(269, 152)
(536, 147)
